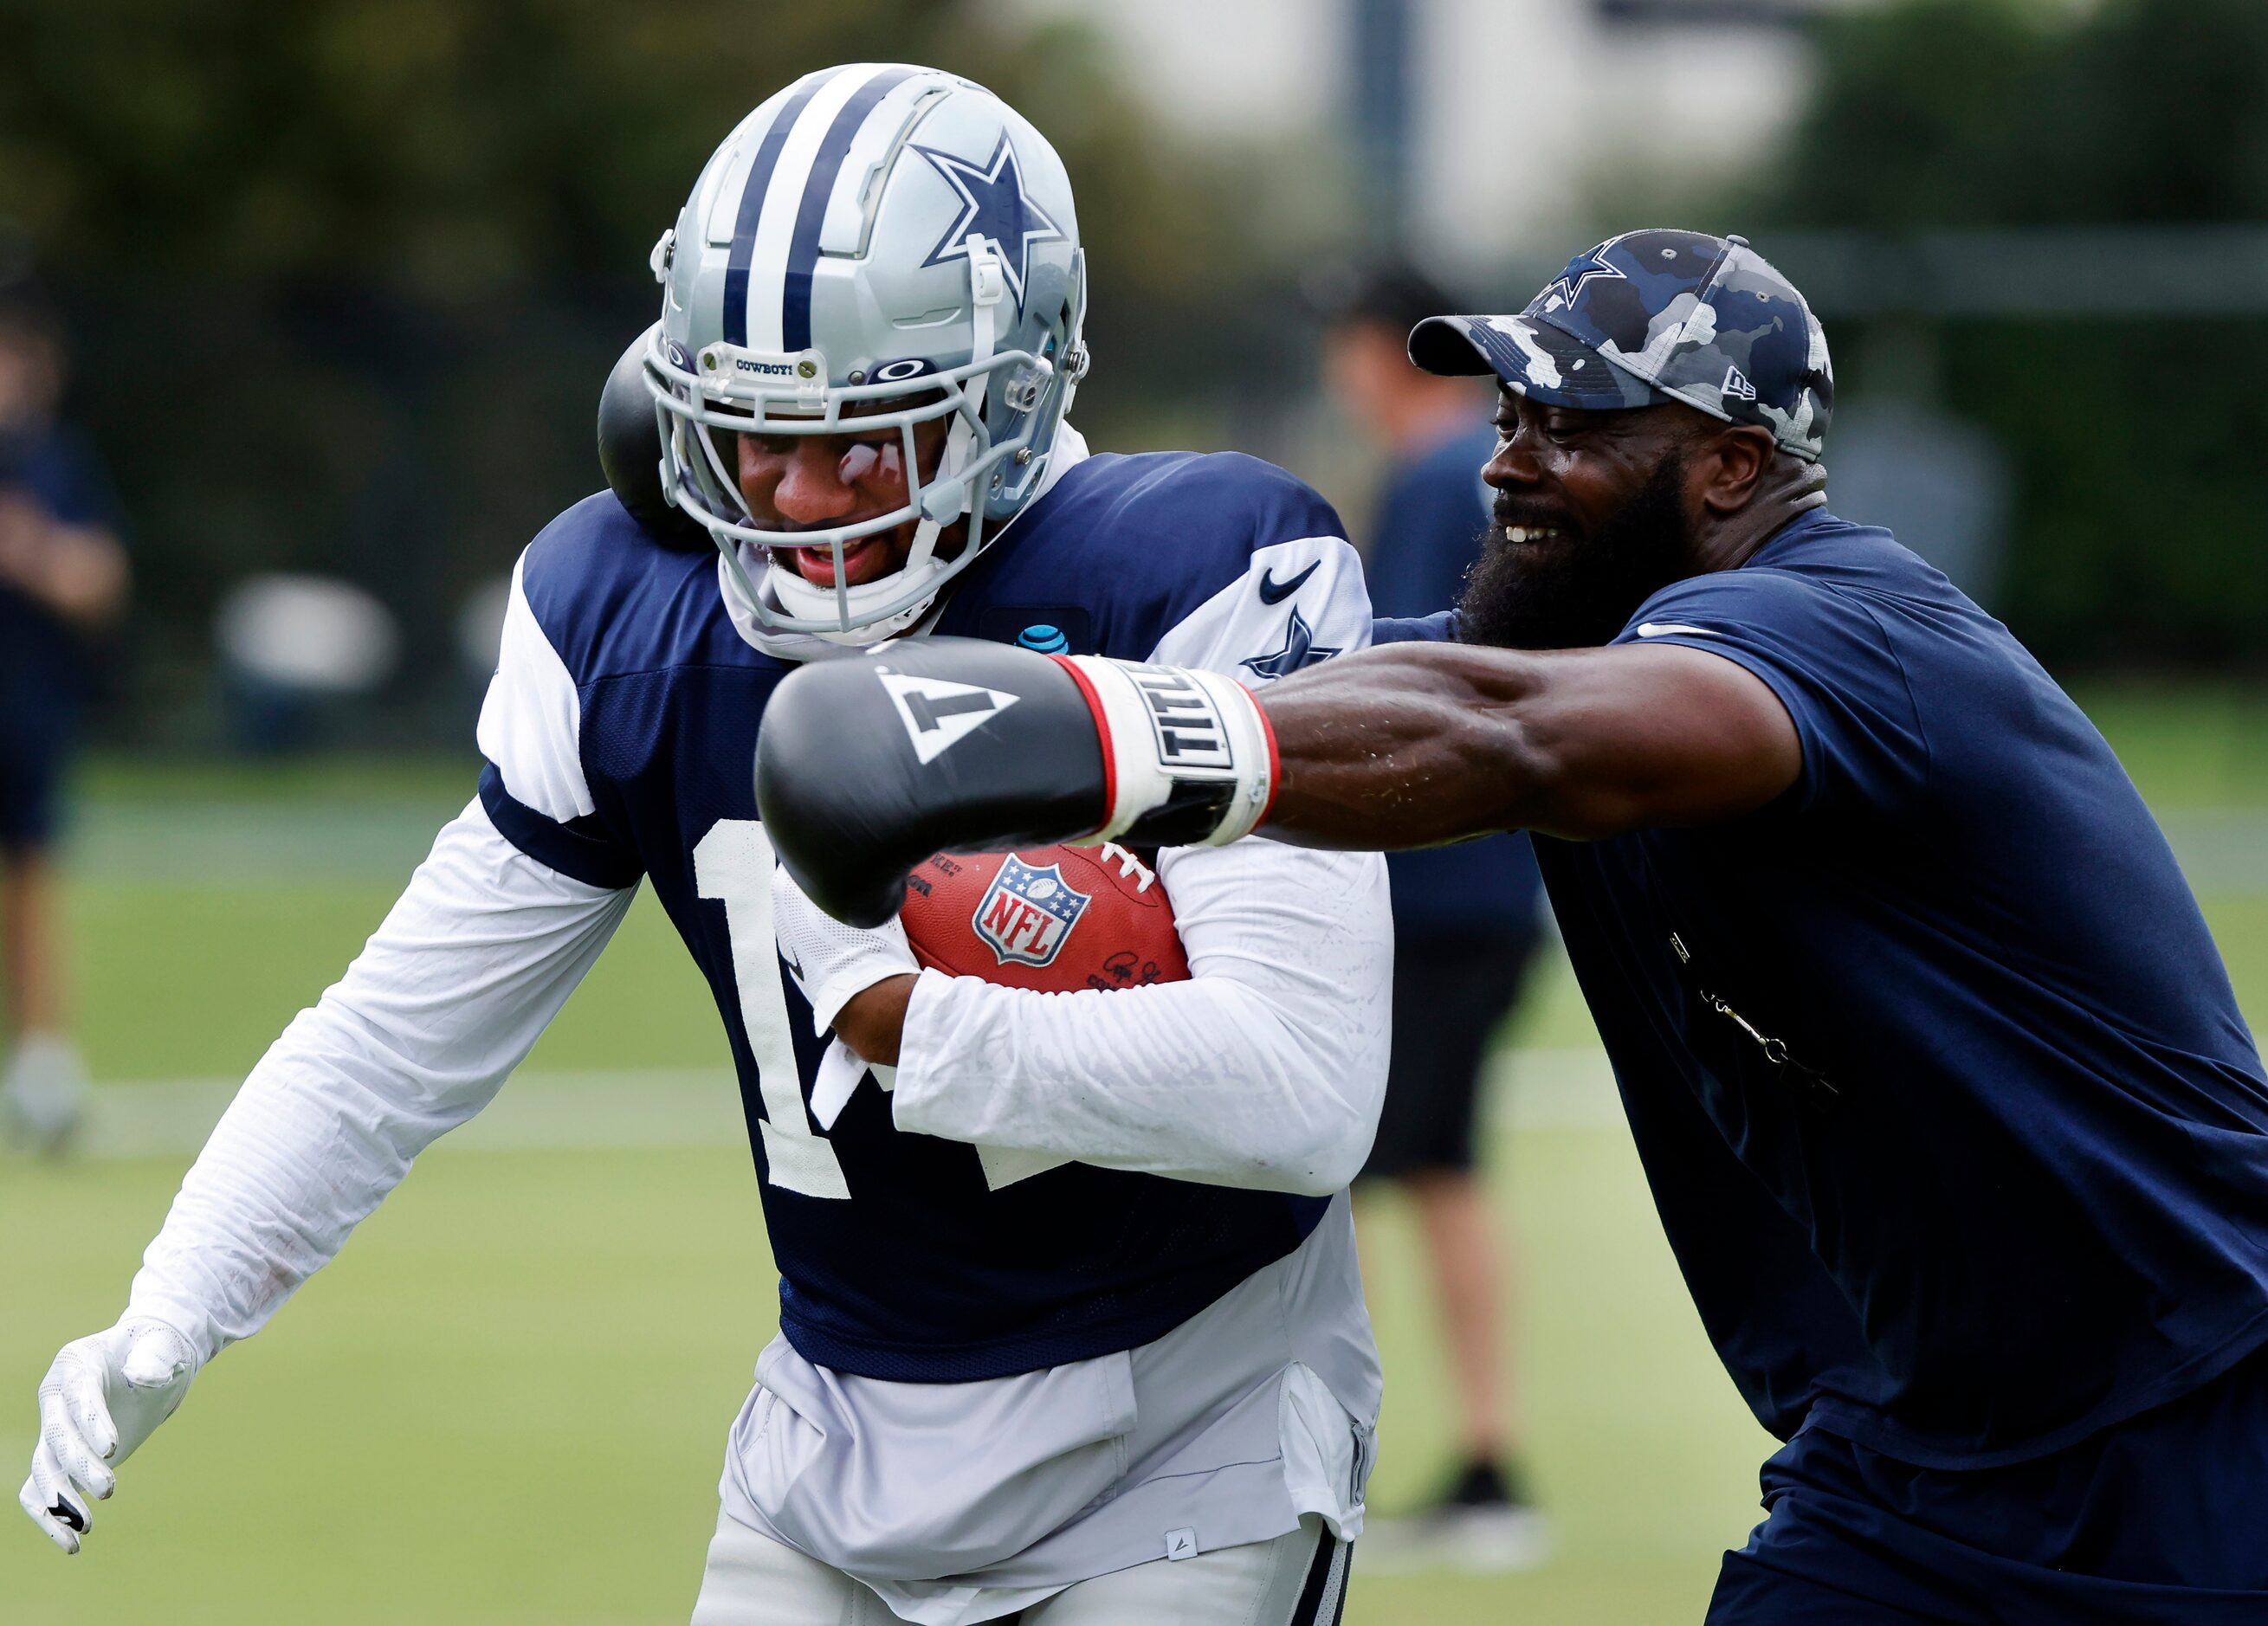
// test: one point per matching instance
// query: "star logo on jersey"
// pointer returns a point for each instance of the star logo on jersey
(1299, 649)
(1027, 914)
(994, 208)
(1581, 269)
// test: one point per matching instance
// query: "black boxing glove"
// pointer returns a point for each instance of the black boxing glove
(868, 764)
(629, 452)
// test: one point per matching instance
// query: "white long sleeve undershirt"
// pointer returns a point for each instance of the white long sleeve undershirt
(1266, 1069)
(448, 997)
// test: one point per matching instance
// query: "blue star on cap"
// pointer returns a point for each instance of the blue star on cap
(995, 206)
(1580, 270)
(1299, 649)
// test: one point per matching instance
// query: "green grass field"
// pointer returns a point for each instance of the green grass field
(506, 1402)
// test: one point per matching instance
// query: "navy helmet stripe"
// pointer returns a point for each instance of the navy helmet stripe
(752, 208)
(818, 187)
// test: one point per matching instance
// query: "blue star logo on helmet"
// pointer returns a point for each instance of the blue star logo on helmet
(1581, 269)
(995, 207)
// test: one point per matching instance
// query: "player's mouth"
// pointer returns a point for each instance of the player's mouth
(1520, 535)
(863, 561)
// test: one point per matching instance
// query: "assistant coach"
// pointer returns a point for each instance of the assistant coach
(1946, 1102)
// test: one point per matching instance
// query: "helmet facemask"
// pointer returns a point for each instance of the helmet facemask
(876, 248)
(1004, 407)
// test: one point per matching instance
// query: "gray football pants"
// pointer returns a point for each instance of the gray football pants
(1298, 1579)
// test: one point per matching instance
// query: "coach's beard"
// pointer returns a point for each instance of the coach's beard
(1575, 594)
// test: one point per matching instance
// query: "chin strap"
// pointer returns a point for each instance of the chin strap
(951, 498)
(988, 285)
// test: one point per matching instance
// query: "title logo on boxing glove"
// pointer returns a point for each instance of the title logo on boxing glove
(1184, 720)
(938, 714)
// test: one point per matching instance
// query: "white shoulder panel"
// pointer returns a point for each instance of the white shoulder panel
(532, 721)
(1302, 601)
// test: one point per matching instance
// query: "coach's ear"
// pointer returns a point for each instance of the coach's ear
(1737, 457)
(629, 452)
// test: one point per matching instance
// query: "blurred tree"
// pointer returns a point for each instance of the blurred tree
(346, 274)
(454, 150)
(2141, 520)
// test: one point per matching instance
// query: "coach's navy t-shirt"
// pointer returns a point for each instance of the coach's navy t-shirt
(2009, 1184)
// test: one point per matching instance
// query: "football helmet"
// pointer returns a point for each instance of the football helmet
(876, 246)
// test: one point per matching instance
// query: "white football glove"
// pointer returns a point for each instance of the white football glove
(99, 1402)
(831, 963)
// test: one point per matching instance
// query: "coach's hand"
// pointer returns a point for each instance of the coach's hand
(99, 1402)
(866, 765)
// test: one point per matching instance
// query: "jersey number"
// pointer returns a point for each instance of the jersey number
(732, 864)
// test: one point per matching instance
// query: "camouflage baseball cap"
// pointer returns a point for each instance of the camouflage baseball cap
(1655, 316)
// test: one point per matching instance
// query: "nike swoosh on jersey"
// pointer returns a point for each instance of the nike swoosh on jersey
(1655, 628)
(1273, 592)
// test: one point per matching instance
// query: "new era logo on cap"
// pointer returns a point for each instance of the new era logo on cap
(1737, 384)
(940, 715)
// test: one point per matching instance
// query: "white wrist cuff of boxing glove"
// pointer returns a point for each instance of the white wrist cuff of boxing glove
(1172, 732)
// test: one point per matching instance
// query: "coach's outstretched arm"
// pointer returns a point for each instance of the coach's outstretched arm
(1406, 746)
(1419, 743)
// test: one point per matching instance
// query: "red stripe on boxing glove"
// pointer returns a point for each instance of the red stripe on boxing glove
(1189, 758)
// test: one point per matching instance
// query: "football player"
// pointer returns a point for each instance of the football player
(1070, 1317)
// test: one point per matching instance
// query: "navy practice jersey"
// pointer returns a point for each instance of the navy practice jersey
(2010, 1184)
(621, 739)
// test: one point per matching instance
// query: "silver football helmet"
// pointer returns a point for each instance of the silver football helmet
(876, 246)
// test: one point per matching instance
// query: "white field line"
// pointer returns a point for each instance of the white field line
(696, 1106)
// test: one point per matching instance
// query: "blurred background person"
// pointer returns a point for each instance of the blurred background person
(1467, 920)
(62, 575)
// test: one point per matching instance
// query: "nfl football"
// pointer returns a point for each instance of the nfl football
(1055, 919)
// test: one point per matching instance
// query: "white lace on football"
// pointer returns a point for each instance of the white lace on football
(1129, 865)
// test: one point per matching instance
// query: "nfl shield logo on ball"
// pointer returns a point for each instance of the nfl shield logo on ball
(1027, 912)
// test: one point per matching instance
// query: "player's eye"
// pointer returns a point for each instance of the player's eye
(772, 445)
